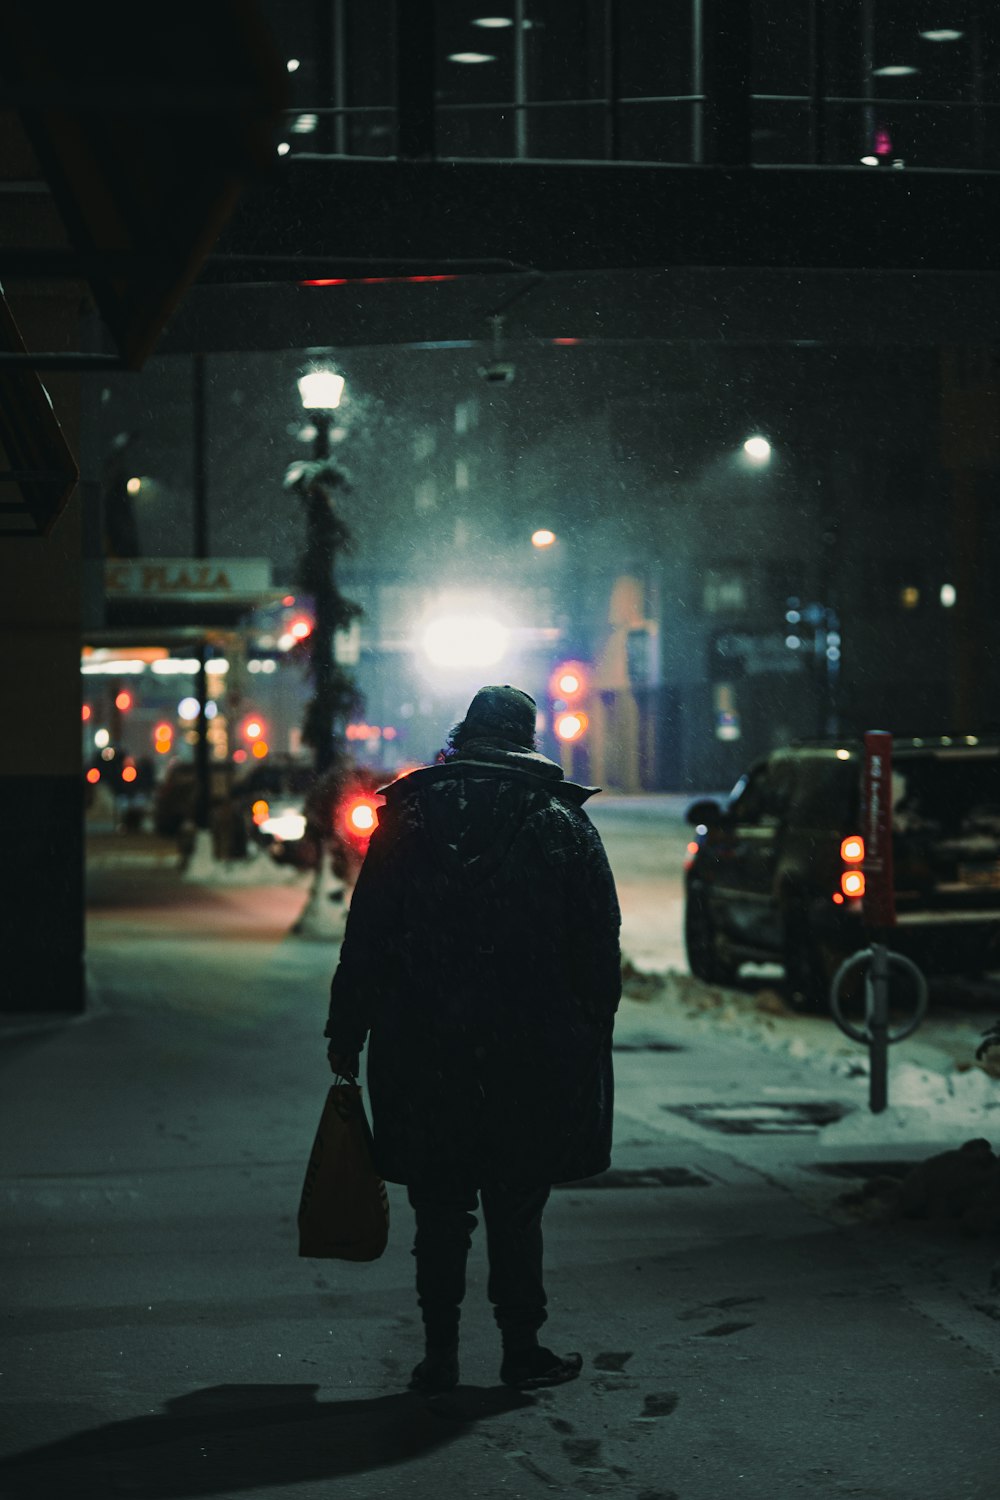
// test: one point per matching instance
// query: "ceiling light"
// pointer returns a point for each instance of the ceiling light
(493, 23)
(894, 70)
(942, 34)
(471, 57)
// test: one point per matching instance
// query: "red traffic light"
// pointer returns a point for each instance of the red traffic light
(568, 681)
(571, 725)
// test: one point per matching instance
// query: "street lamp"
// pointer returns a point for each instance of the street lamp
(757, 449)
(321, 390)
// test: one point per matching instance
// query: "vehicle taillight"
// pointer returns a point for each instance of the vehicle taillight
(852, 883)
(360, 817)
(852, 849)
(260, 811)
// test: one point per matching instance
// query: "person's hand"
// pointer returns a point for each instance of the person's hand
(344, 1065)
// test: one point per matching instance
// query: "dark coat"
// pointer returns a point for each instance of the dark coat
(482, 955)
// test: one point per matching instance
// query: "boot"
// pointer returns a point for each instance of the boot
(437, 1371)
(532, 1368)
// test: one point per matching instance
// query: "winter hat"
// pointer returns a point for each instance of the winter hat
(501, 713)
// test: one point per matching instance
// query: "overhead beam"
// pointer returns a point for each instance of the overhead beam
(569, 216)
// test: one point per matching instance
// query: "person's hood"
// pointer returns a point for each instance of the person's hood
(474, 805)
(488, 758)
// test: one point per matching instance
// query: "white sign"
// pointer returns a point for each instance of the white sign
(187, 577)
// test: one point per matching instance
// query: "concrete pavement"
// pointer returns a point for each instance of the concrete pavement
(741, 1334)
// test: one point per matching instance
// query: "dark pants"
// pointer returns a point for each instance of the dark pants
(445, 1222)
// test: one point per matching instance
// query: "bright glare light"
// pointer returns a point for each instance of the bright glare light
(569, 683)
(187, 709)
(852, 849)
(288, 826)
(321, 390)
(894, 70)
(253, 729)
(471, 57)
(493, 23)
(127, 667)
(134, 485)
(869, 161)
(300, 629)
(570, 726)
(283, 148)
(843, 754)
(169, 666)
(293, 65)
(361, 817)
(542, 538)
(260, 749)
(852, 883)
(305, 124)
(93, 775)
(948, 594)
(943, 34)
(464, 641)
(129, 773)
(758, 448)
(102, 738)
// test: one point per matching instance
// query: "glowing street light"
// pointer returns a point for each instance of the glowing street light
(464, 640)
(757, 449)
(321, 389)
(543, 537)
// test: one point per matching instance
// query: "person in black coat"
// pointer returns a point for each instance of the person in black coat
(481, 960)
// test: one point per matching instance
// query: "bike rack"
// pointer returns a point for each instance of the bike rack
(878, 960)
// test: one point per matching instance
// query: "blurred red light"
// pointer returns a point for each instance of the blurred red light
(360, 817)
(370, 280)
(123, 701)
(86, 712)
(570, 726)
(129, 773)
(93, 775)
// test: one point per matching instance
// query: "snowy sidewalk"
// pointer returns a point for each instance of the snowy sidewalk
(742, 1333)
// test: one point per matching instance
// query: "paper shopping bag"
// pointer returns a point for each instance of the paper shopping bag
(344, 1208)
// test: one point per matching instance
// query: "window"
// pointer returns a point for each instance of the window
(425, 496)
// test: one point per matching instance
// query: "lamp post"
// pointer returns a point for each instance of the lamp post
(321, 390)
(334, 694)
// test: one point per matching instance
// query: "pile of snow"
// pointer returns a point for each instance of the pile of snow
(925, 1105)
(940, 1102)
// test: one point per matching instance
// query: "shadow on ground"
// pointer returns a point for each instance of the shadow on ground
(246, 1437)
